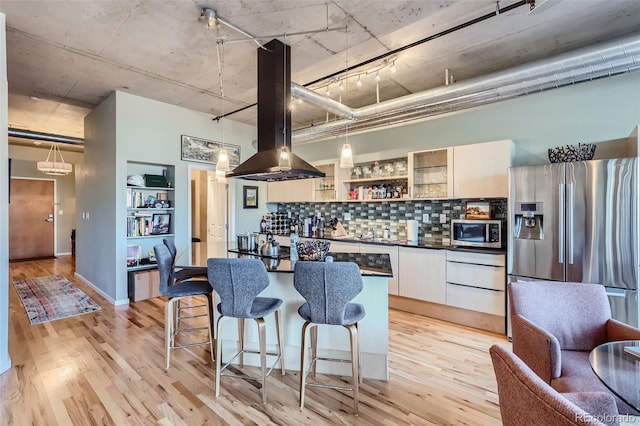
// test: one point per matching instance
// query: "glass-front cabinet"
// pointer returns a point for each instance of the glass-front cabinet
(329, 188)
(431, 173)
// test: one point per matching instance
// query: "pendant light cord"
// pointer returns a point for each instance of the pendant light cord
(219, 43)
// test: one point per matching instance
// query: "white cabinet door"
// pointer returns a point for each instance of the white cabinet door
(476, 299)
(481, 170)
(300, 190)
(476, 281)
(422, 274)
(392, 251)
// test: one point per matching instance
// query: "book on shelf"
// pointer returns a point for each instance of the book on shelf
(634, 351)
(139, 224)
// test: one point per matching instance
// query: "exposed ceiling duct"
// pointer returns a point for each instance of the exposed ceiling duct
(599, 61)
(47, 137)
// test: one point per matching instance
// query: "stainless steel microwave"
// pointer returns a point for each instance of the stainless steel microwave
(476, 233)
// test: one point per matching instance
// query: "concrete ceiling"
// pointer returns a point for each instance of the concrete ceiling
(65, 57)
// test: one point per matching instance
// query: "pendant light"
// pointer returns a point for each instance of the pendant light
(54, 167)
(284, 159)
(222, 164)
(346, 155)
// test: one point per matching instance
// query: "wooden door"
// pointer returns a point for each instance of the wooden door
(31, 216)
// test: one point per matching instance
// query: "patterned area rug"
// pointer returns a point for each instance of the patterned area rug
(54, 297)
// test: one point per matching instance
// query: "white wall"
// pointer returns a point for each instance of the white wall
(5, 360)
(125, 128)
(597, 111)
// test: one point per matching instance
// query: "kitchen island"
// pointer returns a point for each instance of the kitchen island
(333, 341)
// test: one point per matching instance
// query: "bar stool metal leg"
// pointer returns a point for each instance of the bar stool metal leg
(210, 324)
(262, 341)
(303, 359)
(314, 348)
(278, 315)
(218, 355)
(355, 363)
(169, 321)
(241, 342)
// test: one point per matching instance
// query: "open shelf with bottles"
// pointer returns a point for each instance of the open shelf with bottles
(431, 173)
(378, 180)
(149, 207)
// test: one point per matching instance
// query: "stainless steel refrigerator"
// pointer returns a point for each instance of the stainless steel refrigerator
(578, 222)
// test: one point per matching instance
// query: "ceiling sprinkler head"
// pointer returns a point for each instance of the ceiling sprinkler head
(208, 17)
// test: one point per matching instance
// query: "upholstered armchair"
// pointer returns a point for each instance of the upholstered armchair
(526, 400)
(555, 325)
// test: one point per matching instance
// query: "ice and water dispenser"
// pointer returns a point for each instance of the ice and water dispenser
(529, 223)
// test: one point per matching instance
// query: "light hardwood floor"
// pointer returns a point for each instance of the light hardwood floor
(107, 368)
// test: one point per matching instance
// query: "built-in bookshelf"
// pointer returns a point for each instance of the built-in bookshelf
(150, 206)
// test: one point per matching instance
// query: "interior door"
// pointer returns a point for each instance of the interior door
(31, 219)
(216, 217)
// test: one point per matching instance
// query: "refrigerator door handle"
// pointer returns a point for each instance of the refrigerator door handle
(561, 223)
(570, 211)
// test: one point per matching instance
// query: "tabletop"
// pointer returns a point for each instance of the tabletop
(618, 370)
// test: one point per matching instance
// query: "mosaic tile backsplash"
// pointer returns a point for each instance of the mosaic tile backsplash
(393, 215)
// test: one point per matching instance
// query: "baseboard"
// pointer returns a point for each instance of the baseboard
(64, 254)
(101, 292)
(480, 320)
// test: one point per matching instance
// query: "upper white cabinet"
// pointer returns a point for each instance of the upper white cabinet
(422, 273)
(290, 191)
(481, 170)
(431, 173)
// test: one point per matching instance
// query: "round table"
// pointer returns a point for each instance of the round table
(618, 370)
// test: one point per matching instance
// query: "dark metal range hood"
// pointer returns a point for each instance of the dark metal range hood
(274, 120)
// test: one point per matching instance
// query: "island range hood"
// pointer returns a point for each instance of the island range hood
(274, 121)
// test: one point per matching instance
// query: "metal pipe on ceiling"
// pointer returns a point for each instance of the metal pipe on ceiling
(47, 137)
(599, 61)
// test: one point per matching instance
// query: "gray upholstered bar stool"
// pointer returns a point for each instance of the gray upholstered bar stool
(175, 292)
(238, 283)
(328, 288)
(179, 273)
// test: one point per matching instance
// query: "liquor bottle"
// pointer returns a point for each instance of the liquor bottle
(293, 247)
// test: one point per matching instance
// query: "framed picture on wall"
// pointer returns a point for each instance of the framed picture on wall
(161, 223)
(478, 210)
(250, 197)
(206, 151)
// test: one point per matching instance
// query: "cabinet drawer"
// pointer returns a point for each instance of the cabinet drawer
(490, 277)
(476, 299)
(479, 258)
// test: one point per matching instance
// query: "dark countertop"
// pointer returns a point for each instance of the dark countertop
(371, 264)
(423, 244)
